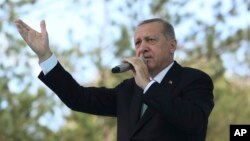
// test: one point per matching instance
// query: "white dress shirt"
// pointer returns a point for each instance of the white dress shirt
(158, 78)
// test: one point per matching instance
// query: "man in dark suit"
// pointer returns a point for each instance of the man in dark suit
(162, 102)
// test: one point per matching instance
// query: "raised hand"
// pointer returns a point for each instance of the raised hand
(38, 42)
(140, 71)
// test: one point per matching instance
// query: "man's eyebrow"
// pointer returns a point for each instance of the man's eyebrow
(136, 40)
(151, 36)
(147, 37)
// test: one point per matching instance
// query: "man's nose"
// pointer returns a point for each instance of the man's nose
(143, 48)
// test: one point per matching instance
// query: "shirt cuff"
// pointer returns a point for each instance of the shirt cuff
(48, 64)
(148, 86)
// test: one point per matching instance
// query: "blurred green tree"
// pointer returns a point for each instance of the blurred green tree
(20, 111)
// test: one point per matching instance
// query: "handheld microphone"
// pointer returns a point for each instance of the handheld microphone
(125, 67)
(122, 68)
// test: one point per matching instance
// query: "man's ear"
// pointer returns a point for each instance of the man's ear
(173, 46)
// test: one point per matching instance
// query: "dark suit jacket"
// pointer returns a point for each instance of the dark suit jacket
(178, 107)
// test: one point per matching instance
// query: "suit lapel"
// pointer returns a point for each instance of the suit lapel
(135, 107)
(143, 120)
(170, 80)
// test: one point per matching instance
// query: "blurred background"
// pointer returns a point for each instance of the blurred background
(90, 37)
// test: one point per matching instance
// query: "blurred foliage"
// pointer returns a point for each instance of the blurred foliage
(21, 111)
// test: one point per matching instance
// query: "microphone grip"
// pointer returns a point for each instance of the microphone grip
(122, 68)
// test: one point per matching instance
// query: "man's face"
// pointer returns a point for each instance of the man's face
(151, 43)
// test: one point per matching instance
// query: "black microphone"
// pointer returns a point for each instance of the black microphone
(125, 67)
(122, 68)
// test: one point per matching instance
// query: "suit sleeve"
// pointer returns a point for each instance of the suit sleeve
(189, 108)
(98, 101)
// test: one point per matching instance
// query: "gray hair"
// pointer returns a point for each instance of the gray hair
(167, 27)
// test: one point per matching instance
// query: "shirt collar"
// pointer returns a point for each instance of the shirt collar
(158, 78)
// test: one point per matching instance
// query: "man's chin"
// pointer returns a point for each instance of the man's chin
(150, 68)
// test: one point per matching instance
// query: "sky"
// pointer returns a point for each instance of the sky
(89, 27)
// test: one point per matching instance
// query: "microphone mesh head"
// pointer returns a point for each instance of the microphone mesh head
(115, 70)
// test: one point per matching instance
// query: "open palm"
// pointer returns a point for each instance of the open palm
(38, 42)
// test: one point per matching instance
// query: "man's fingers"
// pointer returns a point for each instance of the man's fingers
(128, 60)
(43, 27)
(19, 26)
(28, 28)
(134, 61)
(21, 29)
(24, 25)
